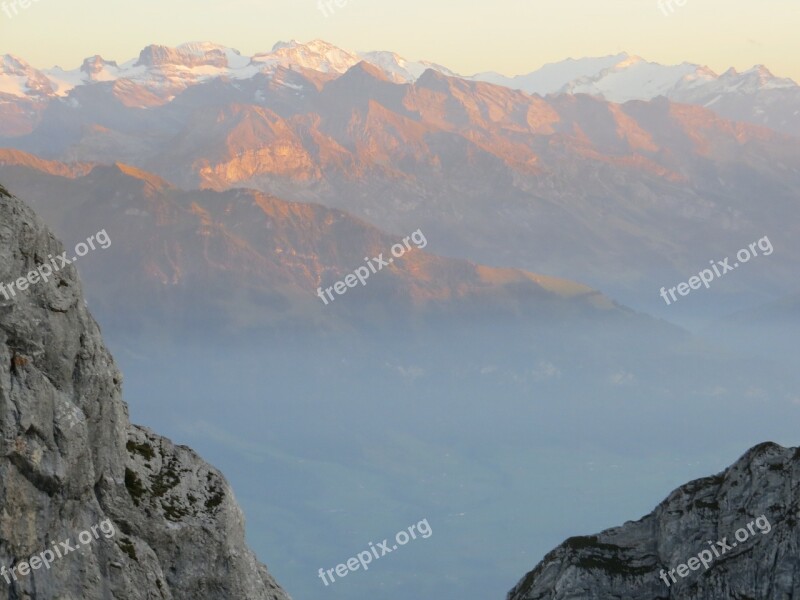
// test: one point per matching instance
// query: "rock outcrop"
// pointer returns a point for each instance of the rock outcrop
(70, 460)
(760, 490)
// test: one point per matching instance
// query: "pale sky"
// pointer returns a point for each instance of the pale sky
(468, 36)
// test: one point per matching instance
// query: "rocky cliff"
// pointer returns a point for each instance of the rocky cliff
(741, 524)
(70, 460)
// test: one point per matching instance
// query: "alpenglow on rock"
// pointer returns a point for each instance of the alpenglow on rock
(70, 459)
(626, 562)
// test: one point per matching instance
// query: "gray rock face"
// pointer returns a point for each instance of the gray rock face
(70, 460)
(760, 490)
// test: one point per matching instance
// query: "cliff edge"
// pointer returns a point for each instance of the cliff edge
(142, 518)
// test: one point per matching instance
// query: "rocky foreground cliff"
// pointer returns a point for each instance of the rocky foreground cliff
(741, 524)
(70, 460)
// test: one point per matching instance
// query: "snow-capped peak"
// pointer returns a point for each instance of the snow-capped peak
(752, 80)
(187, 55)
(398, 68)
(13, 65)
(553, 77)
(637, 79)
(629, 61)
(317, 55)
(201, 48)
(280, 45)
(18, 78)
(96, 65)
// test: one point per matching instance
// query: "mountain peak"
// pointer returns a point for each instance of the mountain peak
(763, 74)
(754, 79)
(200, 48)
(280, 45)
(628, 60)
(95, 64)
(760, 69)
(10, 64)
(316, 45)
(433, 79)
(188, 55)
(316, 54)
(624, 562)
(365, 68)
(18, 78)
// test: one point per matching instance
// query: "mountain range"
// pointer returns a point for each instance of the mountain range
(502, 356)
(244, 259)
(160, 73)
(570, 185)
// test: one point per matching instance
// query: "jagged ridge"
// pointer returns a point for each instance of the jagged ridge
(625, 562)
